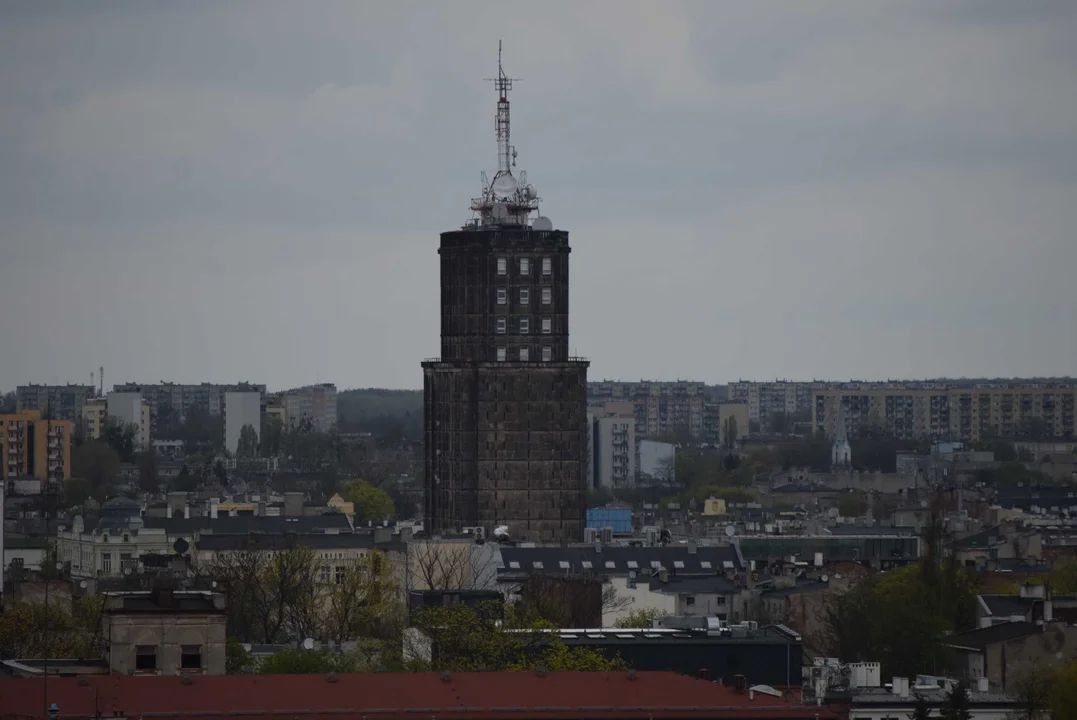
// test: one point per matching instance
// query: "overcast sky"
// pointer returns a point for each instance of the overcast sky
(196, 191)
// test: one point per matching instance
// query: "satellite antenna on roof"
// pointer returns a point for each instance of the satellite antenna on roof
(308, 644)
(730, 530)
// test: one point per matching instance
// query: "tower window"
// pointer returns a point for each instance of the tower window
(547, 266)
(524, 354)
(525, 325)
(547, 296)
(502, 266)
(501, 323)
(502, 296)
(525, 266)
(547, 325)
(547, 354)
(501, 354)
(525, 296)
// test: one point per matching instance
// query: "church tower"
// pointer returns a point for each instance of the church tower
(505, 405)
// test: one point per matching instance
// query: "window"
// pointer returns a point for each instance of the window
(610, 565)
(501, 324)
(514, 564)
(525, 296)
(525, 266)
(547, 354)
(632, 564)
(524, 354)
(547, 266)
(338, 574)
(190, 657)
(323, 574)
(547, 325)
(525, 325)
(145, 658)
(547, 296)
(501, 354)
(689, 600)
(564, 564)
(678, 564)
(502, 296)
(537, 564)
(502, 266)
(705, 564)
(106, 563)
(587, 565)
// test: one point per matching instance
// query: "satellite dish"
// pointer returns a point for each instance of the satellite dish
(825, 578)
(308, 644)
(181, 546)
(83, 584)
(504, 185)
(730, 531)
(542, 223)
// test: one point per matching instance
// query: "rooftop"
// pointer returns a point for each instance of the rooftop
(467, 696)
(620, 559)
(980, 638)
(279, 541)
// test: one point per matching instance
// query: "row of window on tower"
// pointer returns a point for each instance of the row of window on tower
(525, 266)
(525, 354)
(524, 326)
(525, 296)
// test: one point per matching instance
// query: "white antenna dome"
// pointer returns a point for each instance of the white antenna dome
(542, 223)
(530, 192)
(504, 185)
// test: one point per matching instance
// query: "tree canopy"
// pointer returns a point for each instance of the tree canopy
(371, 503)
(97, 462)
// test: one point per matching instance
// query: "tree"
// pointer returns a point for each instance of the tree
(921, 709)
(247, 448)
(371, 503)
(641, 618)
(76, 491)
(147, 471)
(272, 436)
(1063, 577)
(185, 481)
(8, 403)
(121, 438)
(780, 423)
(1063, 694)
(33, 630)
(434, 565)
(237, 659)
(957, 705)
(729, 432)
(495, 637)
(361, 599)
(1032, 692)
(299, 661)
(97, 462)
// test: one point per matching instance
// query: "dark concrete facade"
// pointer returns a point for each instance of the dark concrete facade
(505, 405)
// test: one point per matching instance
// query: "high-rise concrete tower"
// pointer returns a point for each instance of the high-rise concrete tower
(505, 405)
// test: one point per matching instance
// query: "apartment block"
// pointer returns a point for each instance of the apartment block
(764, 399)
(35, 447)
(316, 403)
(54, 402)
(964, 413)
(240, 410)
(170, 403)
(615, 452)
(660, 408)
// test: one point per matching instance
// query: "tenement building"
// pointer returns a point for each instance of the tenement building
(505, 404)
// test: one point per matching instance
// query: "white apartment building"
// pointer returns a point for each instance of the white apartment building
(241, 409)
(615, 456)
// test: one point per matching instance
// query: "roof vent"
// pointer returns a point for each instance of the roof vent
(187, 680)
(632, 674)
(332, 677)
(540, 671)
(446, 676)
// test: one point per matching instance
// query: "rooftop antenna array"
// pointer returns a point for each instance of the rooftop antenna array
(506, 200)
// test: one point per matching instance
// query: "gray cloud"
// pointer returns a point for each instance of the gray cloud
(198, 190)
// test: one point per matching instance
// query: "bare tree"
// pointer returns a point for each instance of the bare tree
(437, 565)
(361, 598)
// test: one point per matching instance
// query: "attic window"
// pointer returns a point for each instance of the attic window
(515, 565)
(564, 564)
(587, 564)
(656, 564)
(145, 658)
(679, 564)
(632, 564)
(705, 564)
(537, 564)
(727, 564)
(610, 565)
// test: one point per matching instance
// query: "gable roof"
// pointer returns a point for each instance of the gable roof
(980, 638)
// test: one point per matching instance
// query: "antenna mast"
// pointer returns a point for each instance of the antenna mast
(506, 153)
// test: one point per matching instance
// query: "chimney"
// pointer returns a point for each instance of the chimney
(663, 575)
(692, 547)
(740, 683)
(983, 685)
(406, 534)
(168, 510)
(704, 674)
(598, 546)
(213, 509)
(186, 510)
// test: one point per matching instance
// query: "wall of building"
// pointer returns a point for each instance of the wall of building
(637, 596)
(657, 460)
(130, 408)
(33, 447)
(169, 634)
(241, 409)
(615, 461)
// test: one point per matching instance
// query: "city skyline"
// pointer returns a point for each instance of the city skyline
(753, 192)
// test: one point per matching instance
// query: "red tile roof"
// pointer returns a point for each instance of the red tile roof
(385, 696)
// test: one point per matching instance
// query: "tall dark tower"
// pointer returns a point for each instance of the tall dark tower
(505, 405)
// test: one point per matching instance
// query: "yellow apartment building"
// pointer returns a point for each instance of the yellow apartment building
(33, 447)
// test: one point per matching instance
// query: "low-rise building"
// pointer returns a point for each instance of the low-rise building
(165, 632)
